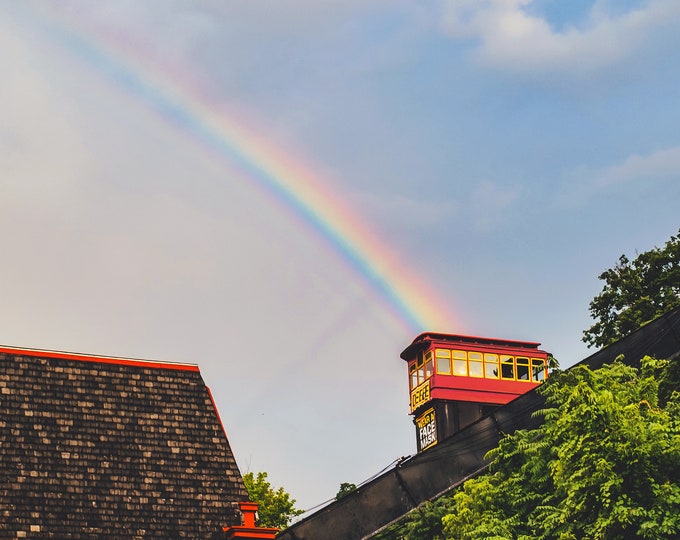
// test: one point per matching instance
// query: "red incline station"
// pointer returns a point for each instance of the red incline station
(454, 380)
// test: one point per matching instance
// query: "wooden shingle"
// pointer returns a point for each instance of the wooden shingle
(94, 447)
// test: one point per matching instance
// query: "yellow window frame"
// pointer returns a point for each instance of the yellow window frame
(443, 354)
(459, 359)
(523, 361)
(532, 373)
(476, 361)
(491, 360)
(505, 361)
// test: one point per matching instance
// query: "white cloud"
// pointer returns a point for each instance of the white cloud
(630, 175)
(662, 164)
(508, 36)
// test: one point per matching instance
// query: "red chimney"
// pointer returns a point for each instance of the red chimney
(249, 531)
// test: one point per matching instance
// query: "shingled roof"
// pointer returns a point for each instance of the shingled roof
(100, 447)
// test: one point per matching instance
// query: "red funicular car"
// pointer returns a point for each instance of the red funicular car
(455, 379)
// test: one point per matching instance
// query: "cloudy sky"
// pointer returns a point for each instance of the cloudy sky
(286, 193)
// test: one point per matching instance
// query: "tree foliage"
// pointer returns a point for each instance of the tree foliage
(635, 292)
(424, 523)
(345, 489)
(604, 465)
(277, 508)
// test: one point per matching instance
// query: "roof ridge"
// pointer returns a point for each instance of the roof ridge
(95, 358)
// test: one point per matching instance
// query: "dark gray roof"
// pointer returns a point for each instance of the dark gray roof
(95, 447)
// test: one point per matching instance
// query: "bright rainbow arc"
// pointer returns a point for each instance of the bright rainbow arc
(293, 183)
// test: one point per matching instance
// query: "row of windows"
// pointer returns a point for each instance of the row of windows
(476, 364)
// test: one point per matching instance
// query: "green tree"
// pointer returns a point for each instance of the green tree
(605, 464)
(345, 489)
(635, 292)
(424, 523)
(277, 508)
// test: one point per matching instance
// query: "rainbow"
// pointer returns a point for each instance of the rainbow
(295, 184)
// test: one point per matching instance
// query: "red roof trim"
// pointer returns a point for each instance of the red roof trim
(217, 413)
(37, 353)
(424, 340)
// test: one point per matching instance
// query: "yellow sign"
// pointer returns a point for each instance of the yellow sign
(427, 430)
(420, 395)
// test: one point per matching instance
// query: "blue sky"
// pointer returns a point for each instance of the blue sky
(507, 151)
